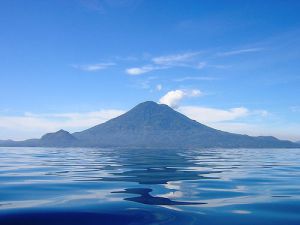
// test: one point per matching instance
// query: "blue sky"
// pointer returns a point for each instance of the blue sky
(233, 65)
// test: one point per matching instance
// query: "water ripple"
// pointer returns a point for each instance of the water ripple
(201, 186)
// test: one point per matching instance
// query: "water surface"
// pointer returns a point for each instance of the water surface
(72, 186)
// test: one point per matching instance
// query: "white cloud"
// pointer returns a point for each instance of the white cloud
(93, 5)
(165, 62)
(240, 51)
(237, 120)
(208, 115)
(32, 125)
(172, 98)
(194, 78)
(201, 65)
(295, 109)
(159, 87)
(104, 6)
(94, 67)
(262, 113)
(143, 69)
(284, 132)
(176, 59)
(139, 70)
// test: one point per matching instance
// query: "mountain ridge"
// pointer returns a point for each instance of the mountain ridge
(152, 125)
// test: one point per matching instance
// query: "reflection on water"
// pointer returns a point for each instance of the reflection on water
(145, 198)
(137, 186)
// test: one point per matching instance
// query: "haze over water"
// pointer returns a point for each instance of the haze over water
(136, 186)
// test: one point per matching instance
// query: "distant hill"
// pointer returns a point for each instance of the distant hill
(64, 138)
(152, 125)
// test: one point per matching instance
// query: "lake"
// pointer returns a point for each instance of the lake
(89, 186)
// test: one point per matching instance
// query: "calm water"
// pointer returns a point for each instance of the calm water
(110, 186)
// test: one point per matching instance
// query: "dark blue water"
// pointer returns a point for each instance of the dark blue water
(44, 186)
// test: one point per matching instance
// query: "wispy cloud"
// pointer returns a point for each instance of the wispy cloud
(286, 132)
(94, 67)
(188, 59)
(192, 59)
(175, 59)
(147, 83)
(158, 87)
(239, 51)
(200, 65)
(104, 6)
(33, 125)
(237, 120)
(208, 115)
(172, 98)
(295, 108)
(144, 69)
(260, 112)
(94, 5)
(213, 115)
(188, 78)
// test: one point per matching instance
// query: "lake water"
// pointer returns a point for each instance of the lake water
(73, 186)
